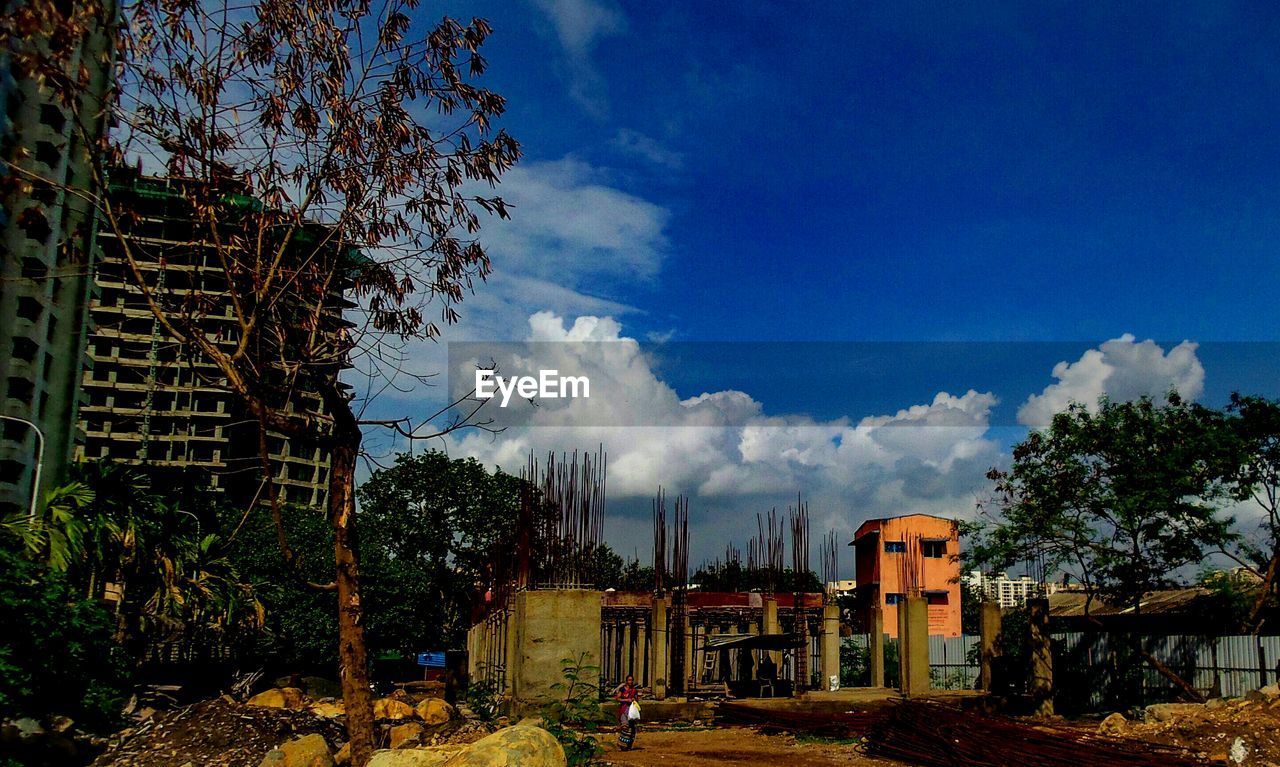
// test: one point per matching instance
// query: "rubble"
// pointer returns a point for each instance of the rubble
(1240, 731)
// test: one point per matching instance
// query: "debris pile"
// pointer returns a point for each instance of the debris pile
(935, 735)
(1241, 731)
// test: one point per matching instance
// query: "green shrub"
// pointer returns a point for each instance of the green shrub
(57, 654)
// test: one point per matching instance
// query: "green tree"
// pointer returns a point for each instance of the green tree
(430, 525)
(1121, 498)
(1255, 421)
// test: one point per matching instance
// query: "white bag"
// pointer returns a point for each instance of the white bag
(633, 712)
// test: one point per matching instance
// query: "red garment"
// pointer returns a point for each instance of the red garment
(627, 694)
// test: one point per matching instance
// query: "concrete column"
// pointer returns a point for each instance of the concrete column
(690, 673)
(659, 653)
(1040, 685)
(770, 621)
(875, 650)
(913, 646)
(988, 646)
(550, 626)
(624, 645)
(830, 648)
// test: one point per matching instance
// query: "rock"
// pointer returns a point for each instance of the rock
(26, 730)
(519, 746)
(279, 697)
(414, 757)
(343, 756)
(1115, 724)
(307, 751)
(61, 724)
(406, 735)
(315, 686)
(328, 710)
(434, 711)
(1171, 712)
(533, 721)
(1213, 704)
(390, 708)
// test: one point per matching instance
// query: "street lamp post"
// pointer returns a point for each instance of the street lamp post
(35, 482)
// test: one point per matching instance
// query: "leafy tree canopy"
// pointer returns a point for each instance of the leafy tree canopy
(1121, 496)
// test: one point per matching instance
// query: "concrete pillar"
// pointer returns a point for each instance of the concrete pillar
(770, 621)
(659, 653)
(830, 648)
(913, 646)
(624, 644)
(989, 619)
(550, 626)
(875, 650)
(690, 673)
(1040, 685)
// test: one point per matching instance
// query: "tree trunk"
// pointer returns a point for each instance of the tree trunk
(351, 649)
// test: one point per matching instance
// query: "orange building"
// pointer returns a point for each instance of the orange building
(911, 555)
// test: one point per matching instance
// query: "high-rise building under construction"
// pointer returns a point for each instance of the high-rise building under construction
(148, 399)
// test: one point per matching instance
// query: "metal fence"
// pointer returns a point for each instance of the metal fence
(1098, 670)
(1095, 670)
(952, 662)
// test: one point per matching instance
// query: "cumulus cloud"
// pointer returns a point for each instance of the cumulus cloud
(731, 456)
(1122, 369)
(580, 25)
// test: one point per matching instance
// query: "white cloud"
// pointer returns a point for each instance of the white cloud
(729, 455)
(635, 143)
(568, 224)
(1122, 369)
(579, 26)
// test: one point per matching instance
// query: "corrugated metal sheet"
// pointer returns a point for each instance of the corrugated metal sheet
(1228, 665)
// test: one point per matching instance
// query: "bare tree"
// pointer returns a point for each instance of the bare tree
(335, 158)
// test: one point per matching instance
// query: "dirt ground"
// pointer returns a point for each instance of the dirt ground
(733, 746)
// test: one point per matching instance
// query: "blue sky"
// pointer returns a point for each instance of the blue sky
(1033, 171)
(783, 171)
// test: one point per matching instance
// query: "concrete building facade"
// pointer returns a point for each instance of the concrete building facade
(46, 246)
(914, 555)
(149, 401)
(1008, 592)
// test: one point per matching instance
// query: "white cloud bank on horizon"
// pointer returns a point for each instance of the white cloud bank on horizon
(1123, 369)
(721, 448)
(733, 459)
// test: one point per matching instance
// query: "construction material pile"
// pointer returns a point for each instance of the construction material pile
(935, 735)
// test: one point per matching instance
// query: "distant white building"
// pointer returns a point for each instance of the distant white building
(1009, 592)
(842, 588)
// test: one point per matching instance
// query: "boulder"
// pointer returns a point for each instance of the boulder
(1171, 712)
(414, 757)
(24, 730)
(315, 686)
(307, 751)
(328, 710)
(1114, 725)
(435, 711)
(406, 735)
(390, 708)
(519, 746)
(279, 697)
(61, 724)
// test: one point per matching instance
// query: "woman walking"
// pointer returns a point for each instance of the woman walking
(627, 695)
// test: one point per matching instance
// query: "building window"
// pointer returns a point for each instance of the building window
(895, 547)
(894, 599)
(933, 549)
(939, 598)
